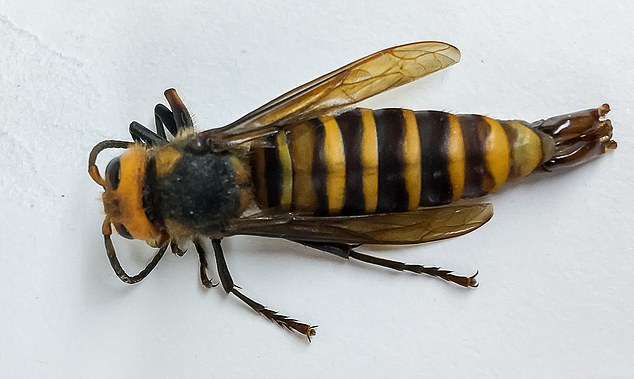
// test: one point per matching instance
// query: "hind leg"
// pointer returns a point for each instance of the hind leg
(578, 137)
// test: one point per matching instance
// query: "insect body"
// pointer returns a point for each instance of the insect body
(391, 160)
(302, 169)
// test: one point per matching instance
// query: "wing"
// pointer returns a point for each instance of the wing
(359, 80)
(422, 225)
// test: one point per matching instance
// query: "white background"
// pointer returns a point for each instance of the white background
(556, 262)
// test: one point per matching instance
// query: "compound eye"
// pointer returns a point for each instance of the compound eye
(123, 232)
(113, 173)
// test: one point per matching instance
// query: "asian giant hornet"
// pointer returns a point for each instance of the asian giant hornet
(307, 168)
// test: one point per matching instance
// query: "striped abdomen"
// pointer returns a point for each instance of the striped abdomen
(390, 160)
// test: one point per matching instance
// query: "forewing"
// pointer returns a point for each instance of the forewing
(422, 225)
(359, 80)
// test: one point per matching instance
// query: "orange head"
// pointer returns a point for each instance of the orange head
(123, 196)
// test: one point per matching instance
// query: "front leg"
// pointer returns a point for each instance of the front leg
(202, 257)
(180, 114)
(230, 287)
(174, 120)
(145, 136)
(176, 249)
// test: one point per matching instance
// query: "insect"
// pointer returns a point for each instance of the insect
(308, 168)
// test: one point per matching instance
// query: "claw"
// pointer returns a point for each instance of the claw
(311, 332)
(472, 282)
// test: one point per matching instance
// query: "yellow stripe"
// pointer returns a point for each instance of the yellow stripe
(497, 154)
(526, 151)
(369, 161)
(166, 158)
(302, 142)
(335, 165)
(411, 160)
(284, 156)
(455, 156)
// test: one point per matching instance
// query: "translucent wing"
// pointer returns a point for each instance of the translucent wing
(422, 225)
(359, 80)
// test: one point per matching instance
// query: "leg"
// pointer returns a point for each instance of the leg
(177, 250)
(202, 257)
(163, 116)
(346, 251)
(144, 135)
(174, 120)
(576, 137)
(229, 287)
(181, 115)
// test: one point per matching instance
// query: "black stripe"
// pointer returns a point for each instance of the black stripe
(511, 135)
(351, 127)
(150, 196)
(474, 133)
(320, 170)
(390, 130)
(273, 173)
(433, 127)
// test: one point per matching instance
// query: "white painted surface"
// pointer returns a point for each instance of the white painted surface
(556, 262)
